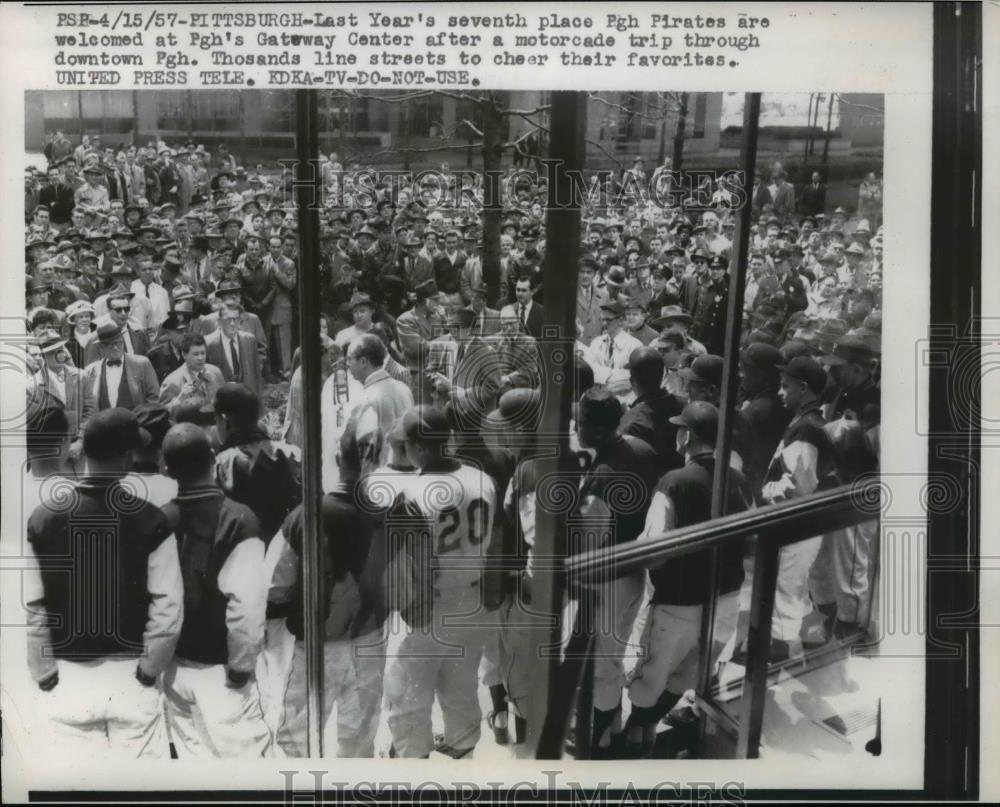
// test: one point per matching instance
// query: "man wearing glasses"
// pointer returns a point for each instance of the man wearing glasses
(119, 302)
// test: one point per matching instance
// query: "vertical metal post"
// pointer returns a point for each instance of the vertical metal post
(826, 137)
(569, 115)
(730, 371)
(765, 579)
(807, 138)
(308, 190)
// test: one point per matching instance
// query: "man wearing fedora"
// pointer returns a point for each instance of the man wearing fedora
(362, 310)
(232, 291)
(58, 377)
(278, 315)
(119, 309)
(589, 300)
(234, 351)
(117, 378)
(146, 287)
(92, 195)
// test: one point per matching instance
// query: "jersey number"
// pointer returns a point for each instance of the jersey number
(449, 538)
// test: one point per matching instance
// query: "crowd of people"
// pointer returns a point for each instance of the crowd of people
(161, 296)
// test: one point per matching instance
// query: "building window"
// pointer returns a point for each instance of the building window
(172, 110)
(426, 116)
(216, 111)
(700, 113)
(278, 110)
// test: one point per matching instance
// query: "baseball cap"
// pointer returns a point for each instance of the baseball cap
(422, 424)
(111, 432)
(233, 398)
(707, 369)
(805, 368)
(702, 418)
(761, 356)
(155, 419)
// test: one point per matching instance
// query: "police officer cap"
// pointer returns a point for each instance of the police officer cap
(805, 368)
(236, 399)
(700, 417)
(717, 262)
(112, 432)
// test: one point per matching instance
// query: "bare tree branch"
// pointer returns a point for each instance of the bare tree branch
(621, 108)
(840, 99)
(398, 99)
(426, 150)
(593, 143)
(471, 125)
(522, 112)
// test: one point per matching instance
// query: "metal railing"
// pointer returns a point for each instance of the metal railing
(773, 527)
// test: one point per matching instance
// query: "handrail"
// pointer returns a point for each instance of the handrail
(776, 524)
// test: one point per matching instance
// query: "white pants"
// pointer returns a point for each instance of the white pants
(618, 603)
(210, 718)
(274, 664)
(791, 595)
(841, 573)
(670, 645)
(441, 660)
(352, 679)
(98, 708)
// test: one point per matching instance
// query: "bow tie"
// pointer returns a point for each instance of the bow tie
(114, 362)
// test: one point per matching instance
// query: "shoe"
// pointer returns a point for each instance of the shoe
(501, 735)
(454, 753)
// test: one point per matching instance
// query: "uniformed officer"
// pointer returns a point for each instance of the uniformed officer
(709, 312)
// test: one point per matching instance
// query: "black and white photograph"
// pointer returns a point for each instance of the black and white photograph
(459, 429)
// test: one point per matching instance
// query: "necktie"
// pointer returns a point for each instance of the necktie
(611, 350)
(114, 362)
(145, 290)
(236, 357)
(521, 317)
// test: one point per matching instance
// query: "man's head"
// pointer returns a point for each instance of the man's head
(451, 240)
(703, 379)
(522, 291)
(802, 381)
(362, 311)
(509, 322)
(109, 438)
(194, 352)
(254, 248)
(365, 355)
(188, 455)
(230, 316)
(599, 413)
(237, 408)
(612, 317)
(274, 247)
(697, 428)
(426, 431)
(586, 274)
(119, 308)
(646, 369)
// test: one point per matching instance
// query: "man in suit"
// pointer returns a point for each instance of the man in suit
(486, 321)
(232, 291)
(57, 196)
(589, 300)
(517, 353)
(413, 266)
(118, 379)
(236, 352)
(448, 266)
(812, 199)
(528, 312)
(119, 301)
(193, 379)
(465, 369)
(58, 378)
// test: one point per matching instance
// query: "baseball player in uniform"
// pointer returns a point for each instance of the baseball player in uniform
(97, 669)
(354, 618)
(213, 702)
(446, 520)
(683, 497)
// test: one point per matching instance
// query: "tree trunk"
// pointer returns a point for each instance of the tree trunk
(679, 133)
(492, 198)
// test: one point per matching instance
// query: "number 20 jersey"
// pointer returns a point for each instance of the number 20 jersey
(458, 505)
